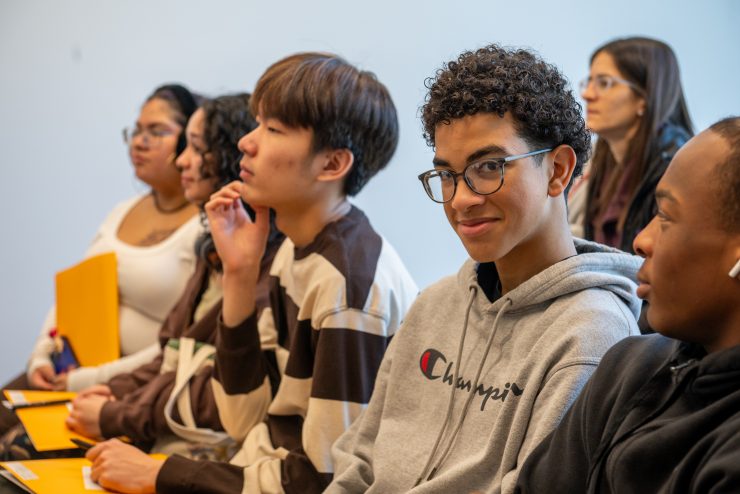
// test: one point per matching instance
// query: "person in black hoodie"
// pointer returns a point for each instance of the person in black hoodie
(662, 412)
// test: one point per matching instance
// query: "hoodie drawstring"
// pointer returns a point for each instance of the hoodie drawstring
(450, 406)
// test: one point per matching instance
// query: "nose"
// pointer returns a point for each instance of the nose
(464, 197)
(139, 141)
(247, 143)
(643, 243)
(588, 93)
(183, 160)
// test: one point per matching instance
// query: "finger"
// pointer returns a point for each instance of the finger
(71, 424)
(95, 472)
(38, 382)
(47, 372)
(235, 186)
(218, 204)
(230, 190)
(103, 390)
(93, 454)
(95, 390)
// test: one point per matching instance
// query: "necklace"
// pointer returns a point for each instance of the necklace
(162, 210)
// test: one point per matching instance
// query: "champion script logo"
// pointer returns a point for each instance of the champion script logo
(428, 364)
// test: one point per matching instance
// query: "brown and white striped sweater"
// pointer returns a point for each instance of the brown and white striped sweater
(334, 306)
(141, 395)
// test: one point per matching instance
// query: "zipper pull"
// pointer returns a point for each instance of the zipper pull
(676, 369)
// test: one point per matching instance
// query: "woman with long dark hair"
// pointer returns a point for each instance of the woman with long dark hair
(636, 106)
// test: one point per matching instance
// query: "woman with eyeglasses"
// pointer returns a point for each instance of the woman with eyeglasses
(152, 235)
(140, 408)
(636, 107)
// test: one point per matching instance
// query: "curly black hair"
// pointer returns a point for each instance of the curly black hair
(226, 119)
(497, 80)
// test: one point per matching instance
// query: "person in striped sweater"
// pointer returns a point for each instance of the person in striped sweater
(339, 290)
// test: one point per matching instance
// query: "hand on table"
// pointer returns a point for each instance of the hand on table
(85, 415)
(43, 378)
(123, 468)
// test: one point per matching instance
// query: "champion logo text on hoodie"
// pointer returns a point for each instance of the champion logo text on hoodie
(431, 368)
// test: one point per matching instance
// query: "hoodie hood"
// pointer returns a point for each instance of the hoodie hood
(712, 375)
(594, 266)
(472, 386)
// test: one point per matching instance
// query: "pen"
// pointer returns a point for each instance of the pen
(81, 444)
(35, 404)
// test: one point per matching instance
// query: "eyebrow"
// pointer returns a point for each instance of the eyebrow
(665, 194)
(154, 125)
(475, 156)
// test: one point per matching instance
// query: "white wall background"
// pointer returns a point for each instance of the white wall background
(74, 72)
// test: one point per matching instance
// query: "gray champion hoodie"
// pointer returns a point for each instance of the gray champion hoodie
(517, 365)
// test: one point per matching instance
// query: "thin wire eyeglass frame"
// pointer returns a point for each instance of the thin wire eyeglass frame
(586, 82)
(501, 162)
(150, 136)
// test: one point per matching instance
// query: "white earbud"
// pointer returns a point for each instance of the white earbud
(735, 271)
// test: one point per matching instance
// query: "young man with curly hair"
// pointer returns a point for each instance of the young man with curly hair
(487, 362)
(662, 412)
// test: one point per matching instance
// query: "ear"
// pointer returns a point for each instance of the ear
(337, 165)
(641, 107)
(561, 169)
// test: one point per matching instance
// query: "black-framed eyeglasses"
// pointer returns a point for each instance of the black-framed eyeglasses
(483, 177)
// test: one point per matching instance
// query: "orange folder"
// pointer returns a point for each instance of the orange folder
(51, 476)
(87, 309)
(63, 475)
(45, 425)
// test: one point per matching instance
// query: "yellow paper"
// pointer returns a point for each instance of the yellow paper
(57, 476)
(87, 309)
(45, 425)
(52, 476)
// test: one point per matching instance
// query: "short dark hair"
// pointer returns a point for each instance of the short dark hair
(497, 80)
(727, 174)
(346, 108)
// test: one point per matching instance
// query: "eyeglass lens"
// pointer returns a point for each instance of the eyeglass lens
(484, 178)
